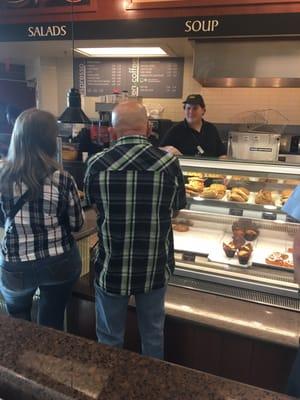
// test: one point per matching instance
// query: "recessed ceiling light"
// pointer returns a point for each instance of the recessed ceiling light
(123, 52)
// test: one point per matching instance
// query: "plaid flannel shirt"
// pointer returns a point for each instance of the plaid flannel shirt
(135, 188)
(42, 227)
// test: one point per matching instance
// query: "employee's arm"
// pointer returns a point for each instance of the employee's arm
(224, 157)
(172, 150)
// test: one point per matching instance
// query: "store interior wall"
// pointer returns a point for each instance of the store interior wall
(54, 79)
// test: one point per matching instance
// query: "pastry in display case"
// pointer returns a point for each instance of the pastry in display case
(233, 238)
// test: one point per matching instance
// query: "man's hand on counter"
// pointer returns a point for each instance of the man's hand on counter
(172, 150)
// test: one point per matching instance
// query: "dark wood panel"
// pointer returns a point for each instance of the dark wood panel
(236, 356)
(192, 345)
(271, 366)
(132, 340)
(81, 318)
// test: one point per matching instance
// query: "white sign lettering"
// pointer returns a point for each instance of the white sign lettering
(47, 31)
(197, 25)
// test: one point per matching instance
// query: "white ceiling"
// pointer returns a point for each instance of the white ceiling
(25, 52)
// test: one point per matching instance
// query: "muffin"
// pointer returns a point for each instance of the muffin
(180, 227)
(244, 256)
(229, 249)
(238, 240)
(244, 253)
(251, 234)
(248, 247)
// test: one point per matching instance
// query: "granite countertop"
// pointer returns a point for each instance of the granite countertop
(41, 363)
(248, 319)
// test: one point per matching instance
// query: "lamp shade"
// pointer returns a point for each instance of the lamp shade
(73, 114)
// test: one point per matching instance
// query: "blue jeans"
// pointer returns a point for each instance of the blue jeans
(54, 276)
(111, 311)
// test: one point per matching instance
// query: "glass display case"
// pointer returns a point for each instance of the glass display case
(233, 238)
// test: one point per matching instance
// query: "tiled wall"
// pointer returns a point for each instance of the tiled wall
(223, 104)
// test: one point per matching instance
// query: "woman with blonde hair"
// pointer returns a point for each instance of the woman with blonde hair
(40, 207)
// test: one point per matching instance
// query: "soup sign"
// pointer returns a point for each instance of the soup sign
(201, 25)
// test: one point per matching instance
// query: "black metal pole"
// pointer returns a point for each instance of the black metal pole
(73, 43)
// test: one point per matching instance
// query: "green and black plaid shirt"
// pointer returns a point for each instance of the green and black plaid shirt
(135, 188)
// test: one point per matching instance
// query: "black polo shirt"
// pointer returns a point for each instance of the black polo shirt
(190, 142)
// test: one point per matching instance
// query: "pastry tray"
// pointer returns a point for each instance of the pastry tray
(218, 255)
(251, 199)
(266, 246)
(197, 240)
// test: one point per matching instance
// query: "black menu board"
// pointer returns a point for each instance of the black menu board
(156, 78)
(161, 78)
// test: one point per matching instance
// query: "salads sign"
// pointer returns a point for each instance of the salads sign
(47, 31)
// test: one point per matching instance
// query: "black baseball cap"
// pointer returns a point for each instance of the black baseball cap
(195, 99)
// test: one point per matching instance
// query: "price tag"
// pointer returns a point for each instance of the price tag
(190, 257)
(269, 215)
(236, 211)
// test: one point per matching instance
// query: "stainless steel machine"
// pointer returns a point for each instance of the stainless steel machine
(255, 146)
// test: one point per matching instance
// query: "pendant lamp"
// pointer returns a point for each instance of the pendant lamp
(73, 114)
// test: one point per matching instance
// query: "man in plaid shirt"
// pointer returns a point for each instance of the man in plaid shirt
(135, 188)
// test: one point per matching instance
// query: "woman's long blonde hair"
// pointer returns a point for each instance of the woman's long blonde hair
(31, 152)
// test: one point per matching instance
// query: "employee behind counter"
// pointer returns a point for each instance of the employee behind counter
(194, 136)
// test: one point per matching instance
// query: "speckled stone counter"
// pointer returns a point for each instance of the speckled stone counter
(40, 363)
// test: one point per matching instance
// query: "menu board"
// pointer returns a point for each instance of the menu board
(152, 78)
(160, 78)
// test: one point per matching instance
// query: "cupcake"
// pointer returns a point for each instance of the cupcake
(244, 257)
(229, 249)
(244, 253)
(247, 247)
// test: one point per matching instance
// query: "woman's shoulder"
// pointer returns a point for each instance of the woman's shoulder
(61, 177)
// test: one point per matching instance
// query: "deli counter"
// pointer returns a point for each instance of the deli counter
(233, 239)
(232, 313)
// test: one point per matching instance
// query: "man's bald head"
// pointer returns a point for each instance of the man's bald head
(130, 118)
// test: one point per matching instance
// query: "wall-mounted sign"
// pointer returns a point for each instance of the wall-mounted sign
(201, 25)
(260, 25)
(53, 31)
(11, 8)
(149, 78)
(15, 4)
(146, 4)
